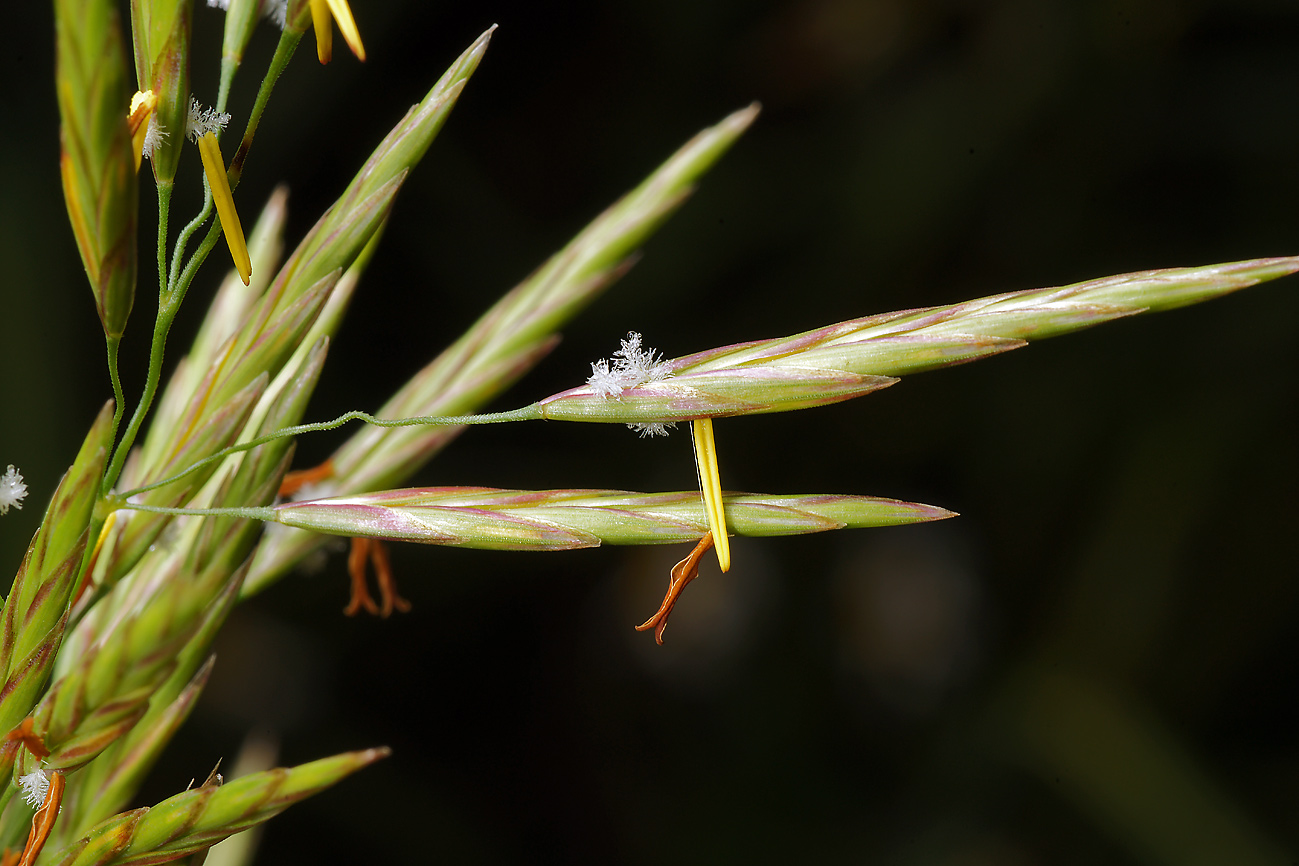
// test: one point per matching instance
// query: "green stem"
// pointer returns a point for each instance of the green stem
(119, 409)
(229, 66)
(251, 512)
(182, 239)
(164, 211)
(283, 54)
(119, 399)
(166, 313)
(181, 283)
(527, 413)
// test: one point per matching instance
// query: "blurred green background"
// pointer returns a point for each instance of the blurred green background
(1096, 663)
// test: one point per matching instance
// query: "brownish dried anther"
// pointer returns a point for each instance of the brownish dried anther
(363, 550)
(682, 573)
(300, 478)
(43, 821)
(24, 735)
(373, 551)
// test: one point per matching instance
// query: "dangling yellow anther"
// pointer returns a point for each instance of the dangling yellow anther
(324, 30)
(710, 485)
(321, 12)
(347, 26)
(137, 121)
(104, 532)
(215, 169)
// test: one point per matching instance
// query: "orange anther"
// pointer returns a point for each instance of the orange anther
(43, 820)
(296, 480)
(387, 583)
(373, 551)
(682, 573)
(356, 560)
(25, 735)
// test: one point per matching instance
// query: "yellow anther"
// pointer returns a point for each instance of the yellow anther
(322, 11)
(104, 532)
(347, 26)
(324, 30)
(710, 485)
(215, 168)
(137, 120)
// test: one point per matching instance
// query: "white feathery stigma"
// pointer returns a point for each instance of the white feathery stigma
(202, 120)
(12, 490)
(35, 785)
(154, 136)
(631, 366)
(652, 428)
(276, 10)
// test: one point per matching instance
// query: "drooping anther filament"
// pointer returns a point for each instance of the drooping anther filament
(682, 573)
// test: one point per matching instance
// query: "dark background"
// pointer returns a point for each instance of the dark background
(1096, 663)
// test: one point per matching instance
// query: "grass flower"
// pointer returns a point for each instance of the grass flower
(12, 490)
(202, 127)
(633, 366)
(142, 125)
